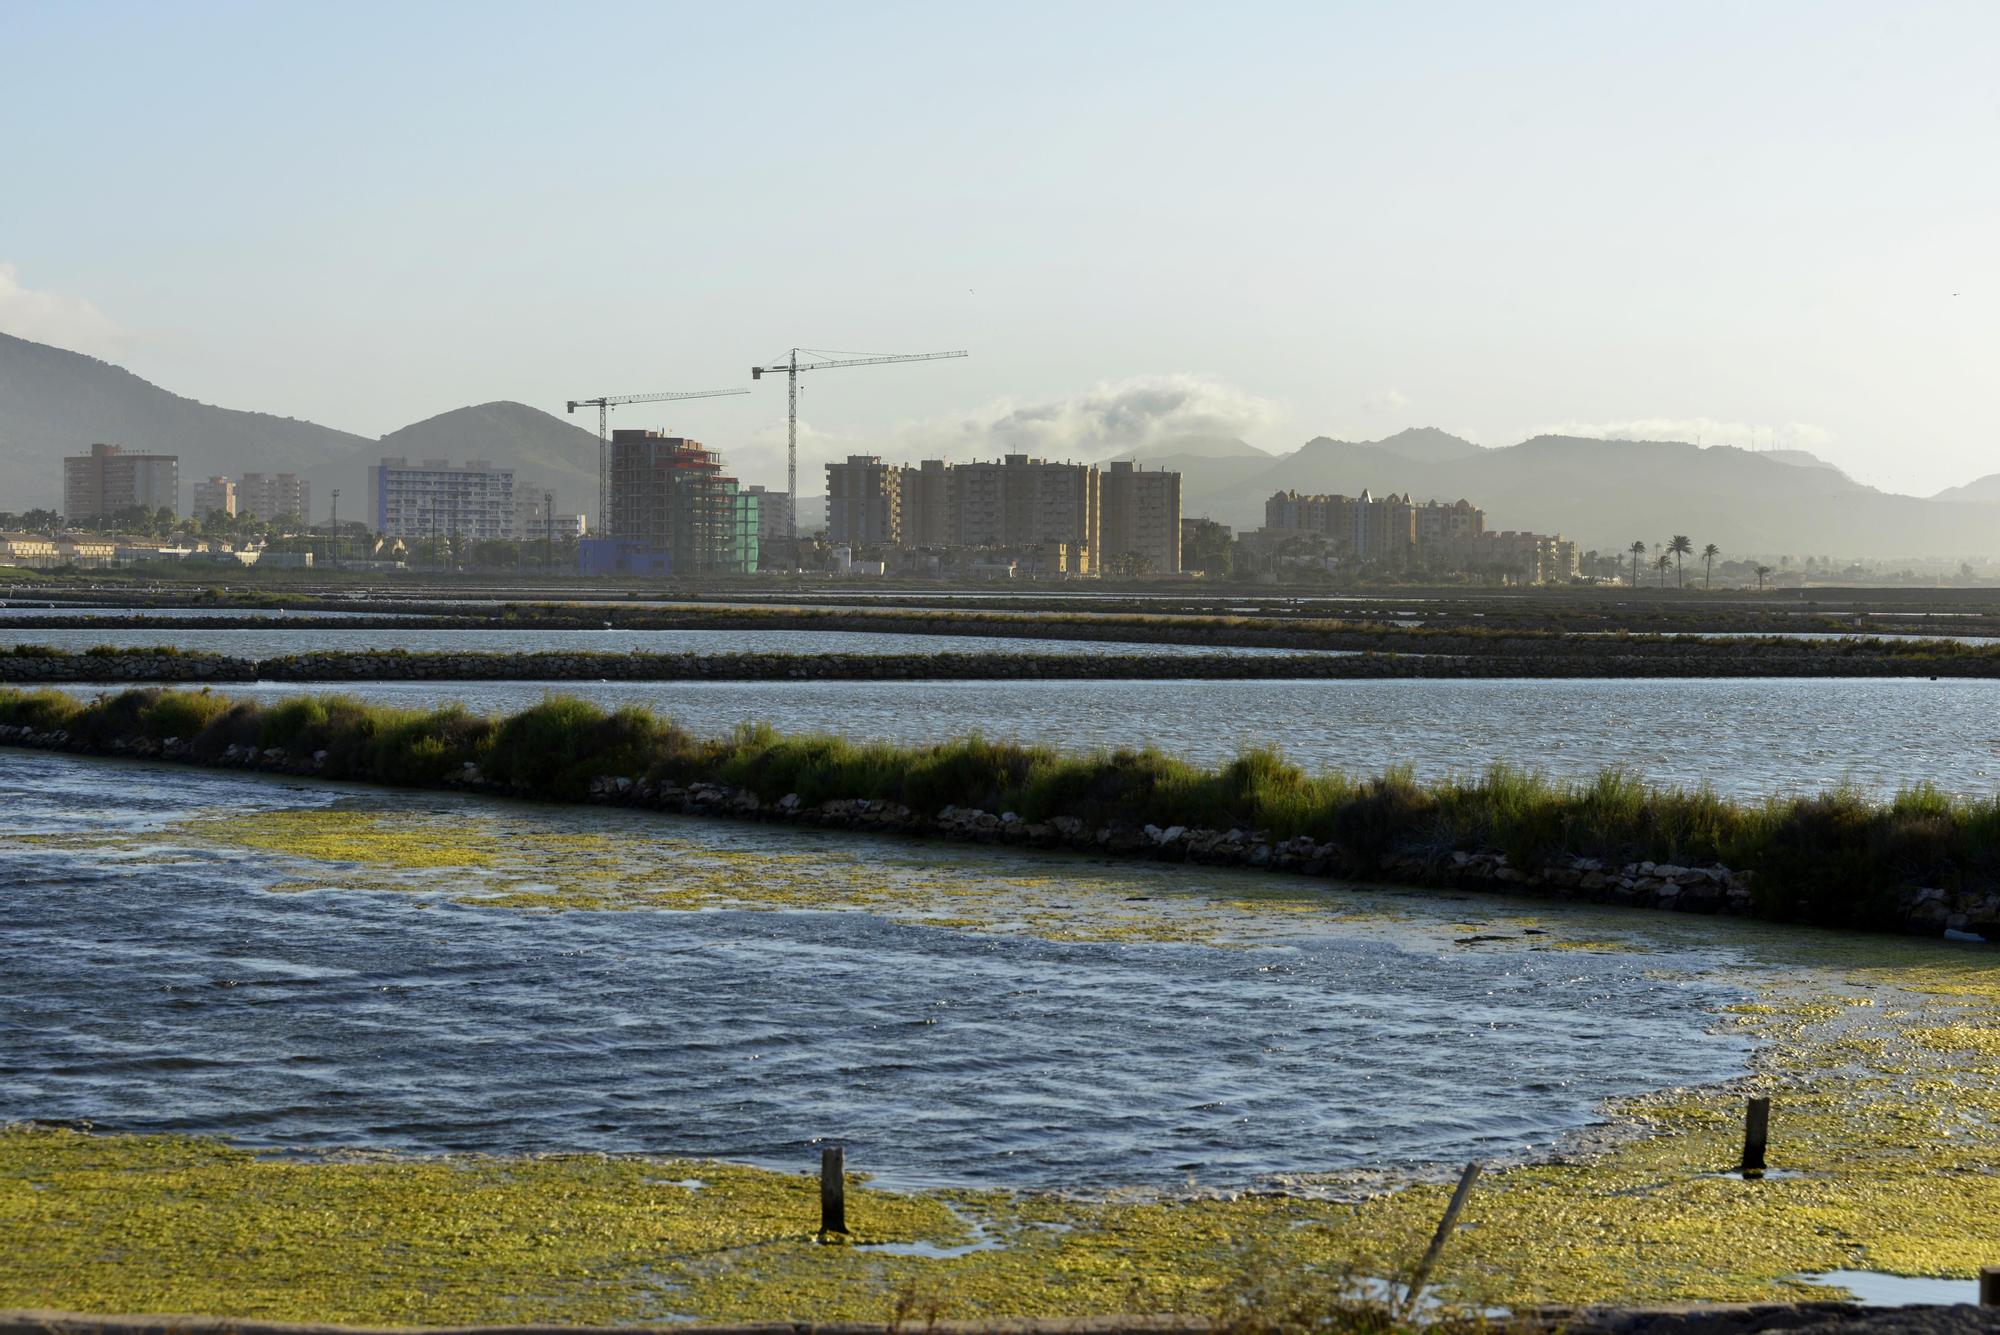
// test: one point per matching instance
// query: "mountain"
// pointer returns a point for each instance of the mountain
(545, 452)
(1984, 489)
(1427, 444)
(1193, 446)
(55, 403)
(1605, 493)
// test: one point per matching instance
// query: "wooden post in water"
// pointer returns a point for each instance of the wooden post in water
(1438, 1239)
(1756, 1134)
(832, 1189)
(1989, 1286)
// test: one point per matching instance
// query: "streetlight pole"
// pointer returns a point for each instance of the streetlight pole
(336, 528)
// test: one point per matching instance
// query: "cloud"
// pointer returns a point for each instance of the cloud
(1388, 401)
(1110, 418)
(54, 317)
(1701, 430)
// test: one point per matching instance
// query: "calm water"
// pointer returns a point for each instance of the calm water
(274, 642)
(1746, 737)
(168, 976)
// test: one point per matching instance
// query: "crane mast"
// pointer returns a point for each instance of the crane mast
(604, 403)
(791, 366)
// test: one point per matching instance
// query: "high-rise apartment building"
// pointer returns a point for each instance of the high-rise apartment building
(672, 503)
(1140, 519)
(108, 480)
(775, 514)
(217, 495)
(864, 502)
(269, 495)
(1021, 501)
(432, 499)
(1363, 528)
(927, 508)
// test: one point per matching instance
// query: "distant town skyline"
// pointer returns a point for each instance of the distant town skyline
(1750, 226)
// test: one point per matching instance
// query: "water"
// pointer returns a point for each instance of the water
(1748, 738)
(1062, 1023)
(1874, 1288)
(278, 641)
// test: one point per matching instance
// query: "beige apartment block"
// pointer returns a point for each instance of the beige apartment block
(108, 480)
(1140, 517)
(269, 495)
(216, 494)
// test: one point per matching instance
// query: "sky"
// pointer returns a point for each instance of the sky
(1775, 223)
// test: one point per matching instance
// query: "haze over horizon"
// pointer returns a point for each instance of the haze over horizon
(1762, 227)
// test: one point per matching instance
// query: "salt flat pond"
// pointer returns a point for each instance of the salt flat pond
(341, 990)
(1748, 738)
(297, 966)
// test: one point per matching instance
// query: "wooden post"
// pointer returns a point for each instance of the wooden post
(1417, 1281)
(832, 1189)
(1756, 1134)
(1989, 1286)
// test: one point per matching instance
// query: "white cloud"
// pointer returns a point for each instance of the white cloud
(1700, 430)
(54, 317)
(1388, 401)
(1110, 418)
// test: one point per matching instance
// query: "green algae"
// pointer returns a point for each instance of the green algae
(520, 862)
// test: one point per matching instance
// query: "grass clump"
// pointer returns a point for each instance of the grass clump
(1837, 857)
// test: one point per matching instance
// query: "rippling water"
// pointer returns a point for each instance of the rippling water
(163, 975)
(1747, 738)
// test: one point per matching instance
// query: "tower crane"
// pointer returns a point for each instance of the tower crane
(604, 403)
(791, 366)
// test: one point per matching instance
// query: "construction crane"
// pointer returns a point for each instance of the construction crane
(604, 403)
(791, 366)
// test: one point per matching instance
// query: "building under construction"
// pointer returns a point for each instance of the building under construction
(672, 511)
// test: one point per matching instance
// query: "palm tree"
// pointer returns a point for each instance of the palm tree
(1638, 550)
(1762, 571)
(1679, 546)
(1708, 555)
(1663, 565)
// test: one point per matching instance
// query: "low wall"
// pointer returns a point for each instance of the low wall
(147, 666)
(1713, 889)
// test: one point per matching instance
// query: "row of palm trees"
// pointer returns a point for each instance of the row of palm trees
(1680, 545)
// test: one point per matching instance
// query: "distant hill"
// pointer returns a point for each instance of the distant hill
(1193, 446)
(55, 403)
(545, 452)
(1427, 444)
(1984, 489)
(1605, 493)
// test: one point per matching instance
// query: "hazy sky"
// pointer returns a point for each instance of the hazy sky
(1756, 221)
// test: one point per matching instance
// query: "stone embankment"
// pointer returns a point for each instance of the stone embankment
(152, 666)
(1929, 911)
(1776, 655)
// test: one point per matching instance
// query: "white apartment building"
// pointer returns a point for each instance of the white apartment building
(431, 498)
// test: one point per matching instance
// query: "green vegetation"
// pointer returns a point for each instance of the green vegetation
(1837, 857)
